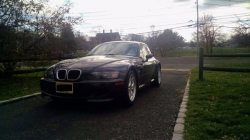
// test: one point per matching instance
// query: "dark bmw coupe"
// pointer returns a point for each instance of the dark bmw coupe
(112, 70)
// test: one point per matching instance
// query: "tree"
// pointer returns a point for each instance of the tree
(208, 33)
(134, 37)
(14, 15)
(27, 27)
(242, 35)
(169, 41)
(192, 44)
(152, 39)
(81, 43)
(68, 38)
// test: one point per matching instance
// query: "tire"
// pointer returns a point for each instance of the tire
(130, 90)
(157, 78)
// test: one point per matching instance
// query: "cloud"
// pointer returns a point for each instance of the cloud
(136, 16)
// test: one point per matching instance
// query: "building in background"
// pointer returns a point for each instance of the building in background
(106, 37)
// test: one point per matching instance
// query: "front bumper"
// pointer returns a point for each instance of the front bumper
(100, 90)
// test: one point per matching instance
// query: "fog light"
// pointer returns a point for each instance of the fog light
(119, 83)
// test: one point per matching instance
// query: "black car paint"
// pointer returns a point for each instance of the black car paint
(144, 70)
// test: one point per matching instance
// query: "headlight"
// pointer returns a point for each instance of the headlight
(110, 75)
(103, 75)
(49, 73)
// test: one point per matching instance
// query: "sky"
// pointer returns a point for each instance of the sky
(138, 16)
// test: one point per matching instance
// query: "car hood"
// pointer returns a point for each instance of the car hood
(92, 62)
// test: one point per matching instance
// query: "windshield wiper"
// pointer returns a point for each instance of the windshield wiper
(89, 54)
(109, 54)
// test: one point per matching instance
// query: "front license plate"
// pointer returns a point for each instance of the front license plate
(62, 87)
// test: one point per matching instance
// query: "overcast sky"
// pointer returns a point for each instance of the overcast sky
(136, 16)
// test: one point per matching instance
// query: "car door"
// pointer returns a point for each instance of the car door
(146, 65)
(150, 64)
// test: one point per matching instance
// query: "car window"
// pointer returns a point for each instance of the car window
(117, 48)
(148, 50)
(143, 52)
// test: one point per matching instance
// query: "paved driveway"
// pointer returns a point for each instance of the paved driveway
(151, 117)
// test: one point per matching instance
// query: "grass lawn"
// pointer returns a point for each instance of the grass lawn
(19, 85)
(193, 51)
(24, 84)
(219, 106)
(81, 54)
(78, 54)
(36, 64)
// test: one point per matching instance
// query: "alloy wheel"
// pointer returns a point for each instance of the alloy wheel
(131, 87)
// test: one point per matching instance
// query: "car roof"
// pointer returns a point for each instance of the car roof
(137, 42)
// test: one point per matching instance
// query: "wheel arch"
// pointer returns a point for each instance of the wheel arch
(159, 64)
(133, 68)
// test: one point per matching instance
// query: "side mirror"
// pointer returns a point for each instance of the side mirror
(149, 56)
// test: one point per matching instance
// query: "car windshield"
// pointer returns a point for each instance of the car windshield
(117, 48)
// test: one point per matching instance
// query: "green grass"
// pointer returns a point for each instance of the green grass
(24, 84)
(231, 65)
(78, 54)
(81, 54)
(193, 52)
(219, 106)
(19, 85)
(185, 52)
(230, 50)
(36, 64)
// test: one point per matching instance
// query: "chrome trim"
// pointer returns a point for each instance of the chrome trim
(143, 85)
(76, 78)
(65, 74)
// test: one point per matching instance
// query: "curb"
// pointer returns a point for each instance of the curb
(180, 121)
(19, 98)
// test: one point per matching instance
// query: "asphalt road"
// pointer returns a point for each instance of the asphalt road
(179, 62)
(152, 116)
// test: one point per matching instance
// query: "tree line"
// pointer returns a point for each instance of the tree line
(160, 42)
(34, 29)
(210, 35)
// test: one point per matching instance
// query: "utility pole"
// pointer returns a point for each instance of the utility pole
(199, 49)
(197, 3)
(153, 38)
